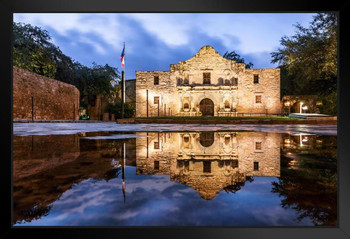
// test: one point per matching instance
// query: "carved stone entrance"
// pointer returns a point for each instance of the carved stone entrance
(206, 106)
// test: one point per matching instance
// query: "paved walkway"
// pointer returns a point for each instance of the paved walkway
(54, 121)
(24, 129)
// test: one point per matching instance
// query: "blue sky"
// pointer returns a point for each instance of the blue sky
(154, 41)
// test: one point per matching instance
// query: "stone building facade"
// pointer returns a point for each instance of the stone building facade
(209, 161)
(210, 85)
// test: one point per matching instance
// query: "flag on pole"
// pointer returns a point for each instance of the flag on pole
(122, 56)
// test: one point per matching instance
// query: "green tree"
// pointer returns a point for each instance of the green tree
(33, 49)
(237, 58)
(309, 58)
(116, 109)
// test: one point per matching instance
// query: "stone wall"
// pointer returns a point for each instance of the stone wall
(96, 107)
(165, 91)
(261, 148)
(51, 99)
(231, 89)
(130, 91)
(268, 88)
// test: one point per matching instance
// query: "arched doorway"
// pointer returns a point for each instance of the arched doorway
(206, 106)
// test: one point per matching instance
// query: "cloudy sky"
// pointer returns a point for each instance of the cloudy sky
(155, 200)
(154, 41)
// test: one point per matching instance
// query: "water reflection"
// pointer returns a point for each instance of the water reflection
(308, 182)
(47, 166)
(211, 161)
(296, 172)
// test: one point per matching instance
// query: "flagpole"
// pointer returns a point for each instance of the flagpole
(124, 75)
(123, 171)
(123, 87)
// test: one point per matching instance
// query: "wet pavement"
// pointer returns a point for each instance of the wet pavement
(106, 174)
(23, 129)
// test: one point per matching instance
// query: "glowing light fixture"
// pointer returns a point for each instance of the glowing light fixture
(301, 105)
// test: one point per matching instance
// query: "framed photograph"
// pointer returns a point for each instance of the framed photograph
(184, 119)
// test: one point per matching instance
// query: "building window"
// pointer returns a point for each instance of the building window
(206, 167)
(257, 145)
(258, 99)
(256, 79)
(156, 165)
(156, 145)
(186, 106)
(256, 166)
(156, 80)
(227, 139)
(186, 79)
(227, 105)
(186, 139)
(235, 164)
(206, 78)
(187, 166)
(156, 100)
(234, 81)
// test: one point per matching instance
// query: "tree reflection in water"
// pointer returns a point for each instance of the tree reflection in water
(308, 179)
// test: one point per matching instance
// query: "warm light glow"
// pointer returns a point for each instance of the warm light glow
(301, 105)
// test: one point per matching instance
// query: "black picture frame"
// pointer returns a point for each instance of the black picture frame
(8, 7)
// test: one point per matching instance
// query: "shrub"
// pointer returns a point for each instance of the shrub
(116, 109)
(329, 104)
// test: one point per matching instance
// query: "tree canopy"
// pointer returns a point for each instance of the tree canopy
(237, 58)
(308, 60)
(34, 51)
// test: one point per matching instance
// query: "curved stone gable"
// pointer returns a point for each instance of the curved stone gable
(207, 58)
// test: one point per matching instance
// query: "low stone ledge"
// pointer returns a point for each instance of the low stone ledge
(126, 121)
(232, 121)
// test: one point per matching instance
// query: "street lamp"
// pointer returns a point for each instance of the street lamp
(288, 104)
(305, 107)
(301, 105)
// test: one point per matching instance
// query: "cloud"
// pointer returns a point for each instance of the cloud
(94, 44)
(260, 60)
(103, 26)
(155, 200)
(154, 41)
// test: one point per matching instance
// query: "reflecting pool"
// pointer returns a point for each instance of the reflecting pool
(211, 178)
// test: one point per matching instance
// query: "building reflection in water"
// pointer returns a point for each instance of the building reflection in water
(303, 167)
(209, 161)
